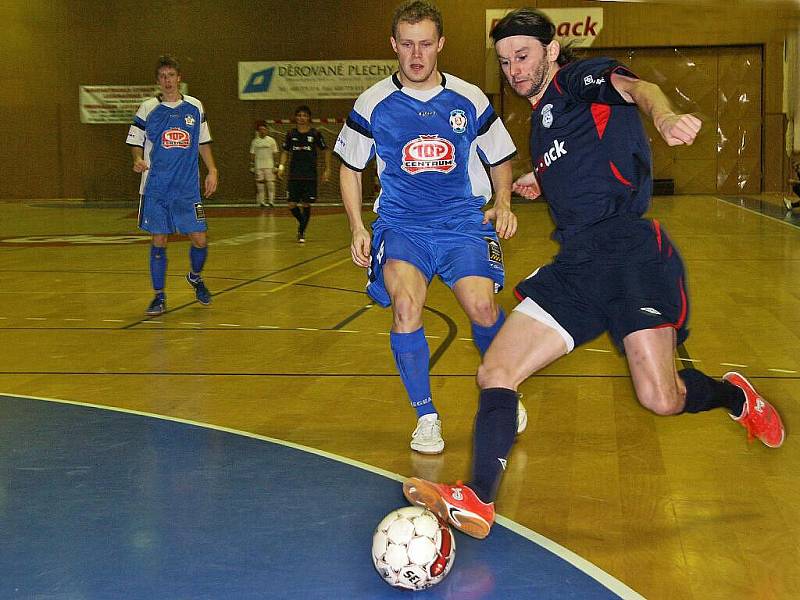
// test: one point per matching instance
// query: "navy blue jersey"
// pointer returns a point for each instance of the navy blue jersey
(303, 146)
(589, 150)
(430, 146)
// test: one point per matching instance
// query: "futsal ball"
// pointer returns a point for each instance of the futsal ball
(412, 549)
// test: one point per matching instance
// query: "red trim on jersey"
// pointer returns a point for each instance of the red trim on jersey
(601, 114)
(518, 296)
(555, 80)
(618, 175)
(657, 228)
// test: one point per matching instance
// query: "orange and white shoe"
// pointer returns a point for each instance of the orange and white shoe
(759, 417)
(454, 504)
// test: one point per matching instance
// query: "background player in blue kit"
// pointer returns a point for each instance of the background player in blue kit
(615, 271)
(431, 135)
(303, 143)
(167, 134)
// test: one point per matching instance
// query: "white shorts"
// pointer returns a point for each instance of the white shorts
(265, 174)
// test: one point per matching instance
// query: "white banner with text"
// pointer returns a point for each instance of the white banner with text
(309, 80)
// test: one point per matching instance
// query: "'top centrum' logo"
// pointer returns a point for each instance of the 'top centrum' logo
(429, 153)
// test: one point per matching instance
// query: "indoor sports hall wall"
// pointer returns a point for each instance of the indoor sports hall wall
(52, 47)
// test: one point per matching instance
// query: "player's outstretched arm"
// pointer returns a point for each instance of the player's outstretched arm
(676, 129)
(282, 164)
(527, 186)
(505, 221)
(211, 176)
(360, 245)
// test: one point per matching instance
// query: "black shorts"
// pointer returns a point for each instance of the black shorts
(621, 275)
(302, 190)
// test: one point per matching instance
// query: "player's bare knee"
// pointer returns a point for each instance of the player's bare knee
(483, 312)
(492, 376)
(407, 312)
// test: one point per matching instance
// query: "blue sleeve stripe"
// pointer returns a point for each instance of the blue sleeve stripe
(485, 127)
(135, 145)
(361, 128)
(138, 123)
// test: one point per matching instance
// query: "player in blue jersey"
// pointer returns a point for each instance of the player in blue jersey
(431, 135)
(615, 271)
(167, 134)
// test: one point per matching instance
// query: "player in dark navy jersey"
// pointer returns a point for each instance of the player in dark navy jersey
(301, 148)
(167, 134)
(433, 137)
(615, 271)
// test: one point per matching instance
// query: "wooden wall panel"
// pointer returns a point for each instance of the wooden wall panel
(50, 47)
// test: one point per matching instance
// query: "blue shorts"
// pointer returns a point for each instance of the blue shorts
(161, 216)
(621, 275)
(450, 252)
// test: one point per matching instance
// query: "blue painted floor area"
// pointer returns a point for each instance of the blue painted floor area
(103, 504)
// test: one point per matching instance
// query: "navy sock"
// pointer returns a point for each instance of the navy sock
(297, 214)
(483, 336)
(495, 429)
(412, 356)
(306, 214)
(158, 267)
(704, 393)
(197, 258)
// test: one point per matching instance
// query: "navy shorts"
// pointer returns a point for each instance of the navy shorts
(451, 253)
(621, 275)
(302, 190)
(161, 216)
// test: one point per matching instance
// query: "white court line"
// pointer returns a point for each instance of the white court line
(597, 350)
(733, 365)
(691, 360)
(781, 371)
(113, 321)
(228, 325)
(593, 571)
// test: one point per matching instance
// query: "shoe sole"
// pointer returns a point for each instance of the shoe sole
(522, 418)
(753, 390)
(155, 314)
(423, 493)
(428, 450)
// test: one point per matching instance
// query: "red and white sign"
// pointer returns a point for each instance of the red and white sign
(429, 153)
(176, 137)
(579, 26)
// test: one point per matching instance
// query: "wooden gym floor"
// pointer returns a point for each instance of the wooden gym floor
(678, 507)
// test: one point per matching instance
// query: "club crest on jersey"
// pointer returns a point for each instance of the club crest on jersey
(547, 115)
(458, 120)
(429, 153)
(189, 120)
(175, 137)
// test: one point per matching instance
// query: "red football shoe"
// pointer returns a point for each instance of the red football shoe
(759, 417)
(454, 504)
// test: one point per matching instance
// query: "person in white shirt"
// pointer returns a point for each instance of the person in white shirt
(263, 149)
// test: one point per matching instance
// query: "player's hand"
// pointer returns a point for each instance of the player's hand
(678, 129)
(505, 221)
(279, 172)
(211, 183)
(326, 176)
(140, 165)
(527, 187)
(360, 247)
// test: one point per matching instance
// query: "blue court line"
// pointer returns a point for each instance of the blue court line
(49, 462)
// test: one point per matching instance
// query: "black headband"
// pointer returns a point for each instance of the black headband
(542, 32)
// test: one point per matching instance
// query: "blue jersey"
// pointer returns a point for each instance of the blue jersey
(170, 134)
(589, 150)
(430, 146)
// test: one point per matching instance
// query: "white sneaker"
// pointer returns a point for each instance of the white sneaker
(522, 416)
(427, 437)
